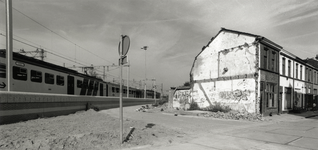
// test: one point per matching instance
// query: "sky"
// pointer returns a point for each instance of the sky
(88, 32)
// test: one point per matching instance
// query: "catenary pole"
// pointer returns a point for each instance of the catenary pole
(9, 44)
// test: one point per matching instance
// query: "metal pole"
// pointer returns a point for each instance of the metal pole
(145, 94)
(121, 100)
(128, 69)
(121, 94)
(154, 89)
(9, 44)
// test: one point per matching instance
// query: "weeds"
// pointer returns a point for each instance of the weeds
(218, 107)
(194, 106)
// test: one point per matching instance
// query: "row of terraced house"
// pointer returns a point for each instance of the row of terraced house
(248, 72)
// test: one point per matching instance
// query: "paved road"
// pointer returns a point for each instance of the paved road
(284, 132)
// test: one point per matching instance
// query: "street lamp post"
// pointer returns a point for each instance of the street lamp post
(145, 92)
(154, 88)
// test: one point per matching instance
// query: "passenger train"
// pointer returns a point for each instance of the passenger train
(37, 76)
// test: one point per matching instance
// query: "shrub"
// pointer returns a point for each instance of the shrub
(218, 107)
(194, 106)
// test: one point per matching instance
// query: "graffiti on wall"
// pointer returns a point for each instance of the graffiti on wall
(239, 94)
(181, 97)
(236, 95)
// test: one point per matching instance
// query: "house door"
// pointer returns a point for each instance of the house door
(287, 100)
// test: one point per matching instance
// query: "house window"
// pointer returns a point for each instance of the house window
(284, 66)
(301, 72)
(60, 80)
(309, 75)
(296, 73)
(314, 77)
(306, 74)
(265, 58)
(36, 76)
(3, 70)
(289, 69)
(273, 63)
(49, 78)
(20, 73)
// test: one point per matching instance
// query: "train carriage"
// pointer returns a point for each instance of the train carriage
(37, 76)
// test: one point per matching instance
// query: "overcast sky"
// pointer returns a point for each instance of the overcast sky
(88, 32)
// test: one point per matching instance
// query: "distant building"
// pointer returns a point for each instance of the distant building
(251, 73)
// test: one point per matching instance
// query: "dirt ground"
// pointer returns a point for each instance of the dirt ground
(83, 130)
(98, 130)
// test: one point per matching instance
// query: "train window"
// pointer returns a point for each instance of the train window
(79, 83)
(49, 78)
(60, 80)
(113, 89)
(117, 90)
(2, 70)
(3, 53)
(36, 76)
(19, 73)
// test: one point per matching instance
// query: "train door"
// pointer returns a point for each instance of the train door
(106, 89)
(101, 90)
(70, 85)
(84, 87)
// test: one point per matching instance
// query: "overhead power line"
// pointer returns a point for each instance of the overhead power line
(58, 34)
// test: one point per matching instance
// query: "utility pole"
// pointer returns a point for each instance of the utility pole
(9, 43)
(154, 88)
(145, 93)
(161, 90)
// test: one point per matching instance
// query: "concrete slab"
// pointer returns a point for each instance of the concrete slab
(227, 142)
(310, 143)
(273, 146)
(267, 137)
(184, 146)
(310, 133)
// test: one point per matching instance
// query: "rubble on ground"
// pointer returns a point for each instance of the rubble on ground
(235, 115)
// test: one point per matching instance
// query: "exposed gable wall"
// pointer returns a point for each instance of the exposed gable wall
(226, 72)
(206, 64)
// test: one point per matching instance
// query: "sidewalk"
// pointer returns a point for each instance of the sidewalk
(293, 116)
(283, 132)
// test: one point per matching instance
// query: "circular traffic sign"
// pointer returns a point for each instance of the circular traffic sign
(125, 45)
